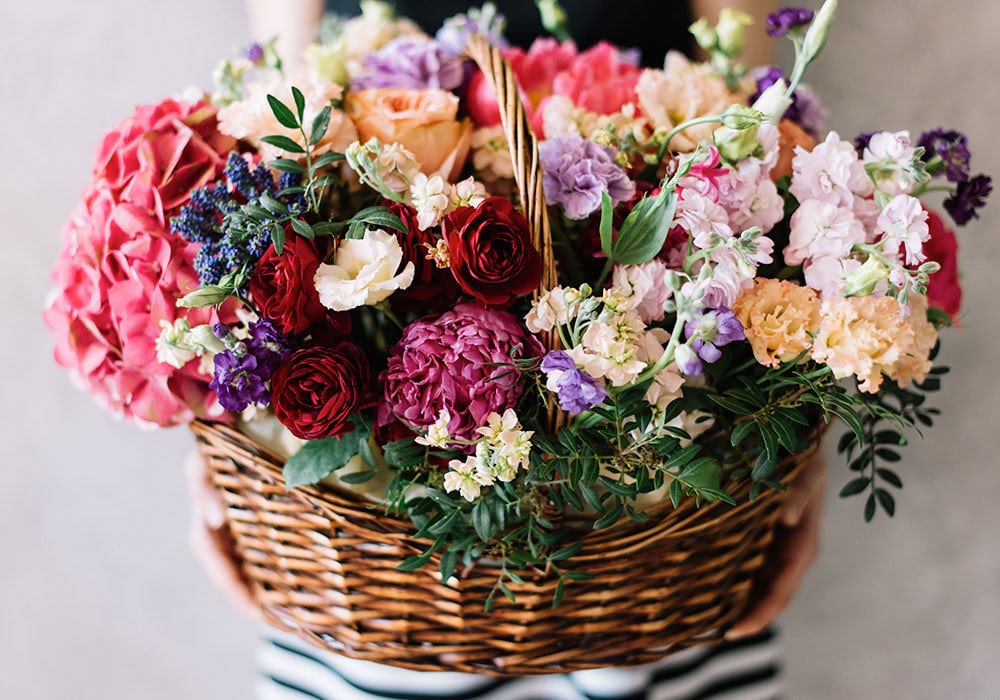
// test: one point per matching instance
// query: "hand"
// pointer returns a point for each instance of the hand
(794, 550)
(210, 539)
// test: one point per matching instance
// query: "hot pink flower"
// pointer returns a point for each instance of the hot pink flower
(943, 290)
(459, 361)
(599, 80)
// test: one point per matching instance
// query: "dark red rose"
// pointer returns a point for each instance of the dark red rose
(315, 390)
(943, 290)
(433, 288)
(491, 253)
(282, 286)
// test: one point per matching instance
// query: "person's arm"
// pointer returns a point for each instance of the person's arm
(294, 22)
(759, 47)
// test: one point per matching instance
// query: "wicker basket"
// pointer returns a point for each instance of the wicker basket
(323, 565)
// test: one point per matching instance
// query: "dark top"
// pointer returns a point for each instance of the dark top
(652, 26)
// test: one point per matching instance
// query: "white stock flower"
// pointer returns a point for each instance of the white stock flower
(437, 433)
(552, 309)
(363, 273)
(465, 478)
(505, 447)
(397, 167)
(467, 193)
(490, 154)
(429, 196)
(174, 346)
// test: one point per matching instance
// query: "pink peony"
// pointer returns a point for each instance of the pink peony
(600, 80)
(121, 272)
(155, 157)
(459, 361)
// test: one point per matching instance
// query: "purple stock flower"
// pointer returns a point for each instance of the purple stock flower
(240, 380)
(576, 172)
(787, 19)
(455, 32)
(969, 196)
(862, 140)
(953, 148)
(267, 344)
(576, 390)
(410, 62)
(709, 331)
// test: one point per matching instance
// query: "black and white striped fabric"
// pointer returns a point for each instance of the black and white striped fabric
(747, 669)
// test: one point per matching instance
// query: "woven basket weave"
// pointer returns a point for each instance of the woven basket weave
(322, 564)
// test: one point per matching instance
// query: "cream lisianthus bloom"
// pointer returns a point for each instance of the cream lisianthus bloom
(364, 272)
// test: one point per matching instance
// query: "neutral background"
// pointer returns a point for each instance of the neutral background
(99, 597)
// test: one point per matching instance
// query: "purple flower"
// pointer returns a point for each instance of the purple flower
(953, 148)
(268, 345)
(687, 361)
(254, 53)
(788, 19)
(709, 331)
(576, 172)
(862, 140)
(577, 391)
(410, 62)
(455, 32)
(969, 196)
(240, 380)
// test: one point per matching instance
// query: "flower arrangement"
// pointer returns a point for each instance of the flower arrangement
(338, 250)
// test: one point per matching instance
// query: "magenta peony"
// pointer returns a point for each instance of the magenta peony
(461, 361)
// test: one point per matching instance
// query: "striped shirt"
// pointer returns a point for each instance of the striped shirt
(746, 669)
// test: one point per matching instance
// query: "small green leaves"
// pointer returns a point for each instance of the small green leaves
(284, 143)
(318, 458)
(284, 115)
(320, 124)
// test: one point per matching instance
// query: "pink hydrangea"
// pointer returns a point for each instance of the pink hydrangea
(459, 361)
(120, 272)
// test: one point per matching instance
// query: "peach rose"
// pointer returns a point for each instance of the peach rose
(424, 122)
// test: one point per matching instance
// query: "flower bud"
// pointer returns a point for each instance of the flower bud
(863, 280)
(730, 30)
(773, 102)
(704, 34)
(200, 298)
(818, 30)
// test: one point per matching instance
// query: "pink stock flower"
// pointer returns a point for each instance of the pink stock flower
(459, 361)
(831, 172)
(822, 229)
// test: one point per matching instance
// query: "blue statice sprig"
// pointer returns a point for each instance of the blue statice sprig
(234, 220)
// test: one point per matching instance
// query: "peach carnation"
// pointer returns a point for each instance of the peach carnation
(777, 318)
(864, 337)
(914, 365)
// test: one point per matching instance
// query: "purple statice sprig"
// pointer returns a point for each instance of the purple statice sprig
(413, 63)
(232, 242)
(576, 172)
(243, 371)
(787, 20)
(576, 390)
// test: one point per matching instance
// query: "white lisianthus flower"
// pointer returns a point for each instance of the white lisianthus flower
(465, 477)
(364, 272)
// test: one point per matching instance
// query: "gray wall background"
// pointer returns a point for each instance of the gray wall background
(99, 597)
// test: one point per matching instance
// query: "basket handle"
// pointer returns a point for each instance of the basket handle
(523, 154)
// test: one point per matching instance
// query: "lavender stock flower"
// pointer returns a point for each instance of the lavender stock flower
(953, 148)
(709, 331)
(969, 196)
(576, 390)
(240, 380)
(412, 63)
(788, 19)
(456, 30)
(576, 172)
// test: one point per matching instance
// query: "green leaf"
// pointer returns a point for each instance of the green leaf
(482, 522)
(284, 115)
(889, 477)
(718, 495)
(272, 205)
(558, 596)
(645, 229)
(358, 477)
(287, 165)
(887, 454)
(704, 473)
(567, 552)
(870, 509)
(303, 229)
(403, 453)
(317, 458)
(887, 502)
(415, 562)
(770, 441)
(591, 497)
(676, 492)
(785, 433)
(763, 467)
(607, 220)
(300, 102)
(854, 487)
(447, 565)
(284, 143)
(611, 517)
(278, 237)
(379, 217)
(741, 431)
(328, 158)
(319, 126)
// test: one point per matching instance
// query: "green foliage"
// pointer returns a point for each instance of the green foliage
(319, 458)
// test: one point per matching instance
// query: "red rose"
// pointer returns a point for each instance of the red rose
(433, 288)
(491, 253)
(943, 290)
(315, 390)
(282, 286)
